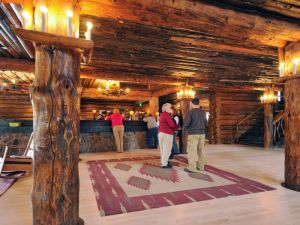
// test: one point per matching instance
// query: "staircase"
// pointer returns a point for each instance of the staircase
(278, 124)
(253, 136)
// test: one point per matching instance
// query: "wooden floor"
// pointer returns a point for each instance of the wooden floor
(280, 207)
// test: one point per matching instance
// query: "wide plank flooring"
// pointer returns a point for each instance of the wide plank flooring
(279, 207)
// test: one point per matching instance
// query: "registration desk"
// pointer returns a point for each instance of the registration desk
(95, 135)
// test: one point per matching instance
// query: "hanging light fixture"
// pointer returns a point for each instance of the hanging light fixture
(186, 92)
(112, 88)
(269, 96)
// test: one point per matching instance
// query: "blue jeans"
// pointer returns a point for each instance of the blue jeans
(175, 149)
(152, 135)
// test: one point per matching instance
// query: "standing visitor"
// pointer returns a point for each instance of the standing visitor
(167, 126)
(175, 149)
(152, 134)
(118, 128)
(195, 123)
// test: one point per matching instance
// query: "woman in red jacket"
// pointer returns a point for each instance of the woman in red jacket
(166, 130)
(118, 128)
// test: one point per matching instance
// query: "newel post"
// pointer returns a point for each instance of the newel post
(268, 126)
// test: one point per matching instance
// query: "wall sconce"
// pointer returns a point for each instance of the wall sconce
(295, 63)
(269, 96)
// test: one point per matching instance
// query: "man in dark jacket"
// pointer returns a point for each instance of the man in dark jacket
(195, 123)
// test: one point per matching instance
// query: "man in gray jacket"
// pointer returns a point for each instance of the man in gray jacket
(195, 123)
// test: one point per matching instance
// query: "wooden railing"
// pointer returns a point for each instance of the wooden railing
(244, 120)
(279, 116)
(278, 126)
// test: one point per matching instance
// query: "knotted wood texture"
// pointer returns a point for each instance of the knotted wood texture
(56, 107)
(185, 107)
(268, 125)
(292, 134)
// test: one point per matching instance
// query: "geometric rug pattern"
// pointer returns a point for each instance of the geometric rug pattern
(132, 184)
(6, 183)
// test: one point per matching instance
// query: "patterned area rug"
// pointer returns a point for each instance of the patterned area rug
(6, 183)
(133, 184)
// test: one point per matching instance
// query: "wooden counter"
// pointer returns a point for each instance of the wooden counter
(95, 135)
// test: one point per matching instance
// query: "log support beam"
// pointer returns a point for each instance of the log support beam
(292, 135)
(185, 107)
(154, 105)
(56, 94)
(56, 108)
(268, 126)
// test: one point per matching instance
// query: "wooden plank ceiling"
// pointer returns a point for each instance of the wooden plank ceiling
(161, 43)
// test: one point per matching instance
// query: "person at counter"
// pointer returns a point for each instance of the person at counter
(167, 126)
(152, 134)
(118, 128)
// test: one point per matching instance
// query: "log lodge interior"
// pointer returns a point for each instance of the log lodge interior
(63, 63)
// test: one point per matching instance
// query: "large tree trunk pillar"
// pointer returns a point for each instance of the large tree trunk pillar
(292, 134)
(268, 126)
(185, 107)
(56, 106)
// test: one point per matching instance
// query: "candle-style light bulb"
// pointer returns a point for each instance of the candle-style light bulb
(295, 63)
(44, 12)
(88, 32)
(26, 18)
(281, 69)
(70, 22)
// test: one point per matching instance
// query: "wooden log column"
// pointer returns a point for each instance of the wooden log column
(185, 107)
(268, 126)
(56, 106)
(154, 105)
(292, 135)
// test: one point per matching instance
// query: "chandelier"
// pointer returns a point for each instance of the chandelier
(269, 96)
(186, 92)
(111, 88)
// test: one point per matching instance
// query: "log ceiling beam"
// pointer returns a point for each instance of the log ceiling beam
(20, 65)
(20, 2)
(289, 8)
(198, 16)
(225, 47)
(165, 91)
(86, 72)
(93, 93)
(11, 19)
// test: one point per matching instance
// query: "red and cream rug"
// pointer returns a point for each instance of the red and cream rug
(133, 184)
(6, 182)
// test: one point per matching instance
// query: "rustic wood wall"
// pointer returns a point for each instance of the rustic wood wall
(18, 106)
(15, 106)
(88, 106)
(227, 109)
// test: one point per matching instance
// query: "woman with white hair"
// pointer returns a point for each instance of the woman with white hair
(167, 126)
